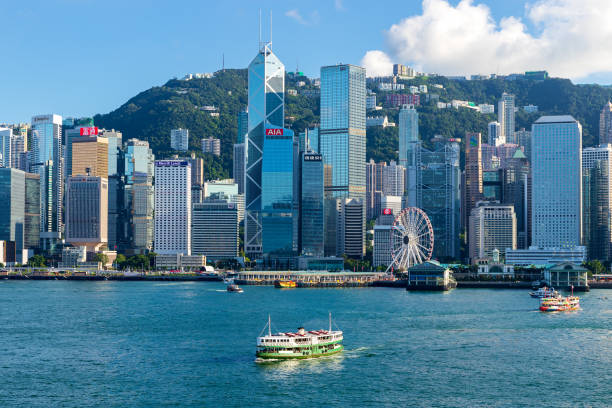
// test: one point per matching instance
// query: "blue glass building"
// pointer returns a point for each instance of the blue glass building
(409, 148)
(266, 110)
(343, 129)
(278, 207)
(312, 216)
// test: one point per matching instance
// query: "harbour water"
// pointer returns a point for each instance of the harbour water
(192, 344)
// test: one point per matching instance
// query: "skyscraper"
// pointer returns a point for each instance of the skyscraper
(279, 187)
(5, 146)
(492, 227)
(343, 129)
(350, 227)
(19, 206)
(266, 75)
(90, 156)
(516, 187)
(238, 166)
(557, 181)
(409, 146)
(597, 202)
(19, 145)
(605, 124)
(179, 139)
(48, 162)
(214, 229)
(393, 179)
(473, 175)
(243, 125)
(495, 136)
(87, 211)
(312, 216)
(438, 180)
(523, 139)
(505, 117)
(173, 207)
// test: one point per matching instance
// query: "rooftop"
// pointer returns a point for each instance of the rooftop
(556, 119)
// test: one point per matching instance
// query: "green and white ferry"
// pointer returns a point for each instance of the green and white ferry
(301, 344)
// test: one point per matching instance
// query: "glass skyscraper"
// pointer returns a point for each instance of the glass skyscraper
(278, 188)
(312, 215)
(409, 149)
(438, 180)
(342, 135)
(266, 110)
(557, 182)
(48, 160)
(139, 195)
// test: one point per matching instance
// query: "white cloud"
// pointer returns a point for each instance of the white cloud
(377, 63)
(572, 39)
(312, 19)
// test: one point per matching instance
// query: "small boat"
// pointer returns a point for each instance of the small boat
(560, 304)
(281, 283)
(298, 345)
(234, 288)
(544, 292)
(228, 281)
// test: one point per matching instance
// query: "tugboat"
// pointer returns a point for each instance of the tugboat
(298, 345)
(284, 284)
(232, 287)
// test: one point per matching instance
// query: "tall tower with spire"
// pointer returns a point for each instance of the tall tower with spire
(269, 156)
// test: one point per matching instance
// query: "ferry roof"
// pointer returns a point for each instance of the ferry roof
(311, 333)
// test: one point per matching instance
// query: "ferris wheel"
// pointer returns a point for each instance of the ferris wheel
(412, 239)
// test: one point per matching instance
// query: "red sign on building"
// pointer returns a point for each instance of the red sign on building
(274, 132)
(387, 211)
(89, 131)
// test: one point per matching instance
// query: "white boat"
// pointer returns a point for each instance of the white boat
(545, 292)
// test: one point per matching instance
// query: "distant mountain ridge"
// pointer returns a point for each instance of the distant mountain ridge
(151, 114)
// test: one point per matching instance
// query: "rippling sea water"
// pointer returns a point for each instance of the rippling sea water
(147, 344)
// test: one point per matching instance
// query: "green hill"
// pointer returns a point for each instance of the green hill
(153, 113)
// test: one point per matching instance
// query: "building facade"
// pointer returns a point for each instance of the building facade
(557, 207)
(179, 139)
(87, 211)
(211, 145)
(492, 227)
(409, 147)
(266, 93)
(172, 207)
(214, 229)
(312, 205)
(505, 117)
(605, 124)
(438, 194)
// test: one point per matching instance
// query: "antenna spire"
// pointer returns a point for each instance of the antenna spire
(259, 29)
(270, 29)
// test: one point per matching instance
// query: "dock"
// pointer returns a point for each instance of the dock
(310, 279)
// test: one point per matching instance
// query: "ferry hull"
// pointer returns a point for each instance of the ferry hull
(279, 356)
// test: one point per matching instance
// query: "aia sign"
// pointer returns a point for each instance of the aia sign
(274, 132)
(89, 131)
(387, 211)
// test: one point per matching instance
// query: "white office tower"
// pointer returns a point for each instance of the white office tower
(556, 143)
(382, 240)
(393, 179)
(495, 138)
(173, 207)
(409, 149)
(492, 228)
(179, 139)
(505, 117)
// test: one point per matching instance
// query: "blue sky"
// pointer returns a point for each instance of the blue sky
(81, 57)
